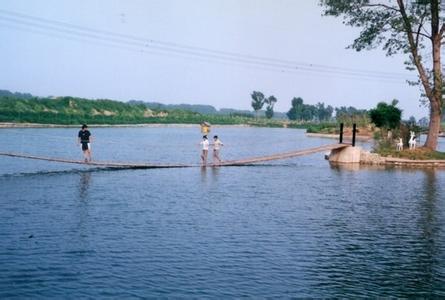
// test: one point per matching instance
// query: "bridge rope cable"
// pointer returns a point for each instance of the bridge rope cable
(132, 165)
(196, 52)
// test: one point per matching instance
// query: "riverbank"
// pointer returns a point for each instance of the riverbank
(363, 138)
(419, 158)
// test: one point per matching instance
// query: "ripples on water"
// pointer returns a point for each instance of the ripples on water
(294, 228)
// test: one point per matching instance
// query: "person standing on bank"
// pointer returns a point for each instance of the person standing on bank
(84, 140)
(205, 150)
(216, 148)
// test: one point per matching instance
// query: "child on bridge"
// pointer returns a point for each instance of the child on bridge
(205, 150)
(217, 144)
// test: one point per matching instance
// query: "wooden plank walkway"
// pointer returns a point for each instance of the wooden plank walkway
(131, 165)
(278, 156)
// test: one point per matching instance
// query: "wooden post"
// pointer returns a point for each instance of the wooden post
(354, 129)
(341, 133)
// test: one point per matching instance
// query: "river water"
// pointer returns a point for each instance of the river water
(292, 228)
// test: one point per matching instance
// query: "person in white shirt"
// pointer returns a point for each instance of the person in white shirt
(217, 144)
(205, 149)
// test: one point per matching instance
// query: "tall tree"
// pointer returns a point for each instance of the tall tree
(257, 101)
(401, 26)
(270, 104)
(323, 113)
(295, 112)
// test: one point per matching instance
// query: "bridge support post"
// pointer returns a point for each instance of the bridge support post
(354, 130)
(345, 155)
(341, 134)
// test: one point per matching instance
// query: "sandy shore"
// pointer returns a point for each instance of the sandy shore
(37, 125)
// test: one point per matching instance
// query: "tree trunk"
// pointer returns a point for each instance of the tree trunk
(434, 127)
(433, 90)
(436, 94)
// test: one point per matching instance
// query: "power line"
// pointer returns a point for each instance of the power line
(147, 46)
(151, 42)
(202, 59)
(115, 40)
(143, 51)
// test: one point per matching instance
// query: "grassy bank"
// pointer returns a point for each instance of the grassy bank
(67, 111)
(72, 111)
(419, 153)
(75, 111)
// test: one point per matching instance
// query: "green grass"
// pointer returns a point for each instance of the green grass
(419, 153)
(326, 128)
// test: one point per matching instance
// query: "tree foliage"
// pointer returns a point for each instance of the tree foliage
(386, 116)
(350, 115)
(270, 101)
(415, 28)
(257, 101)
(306, 112)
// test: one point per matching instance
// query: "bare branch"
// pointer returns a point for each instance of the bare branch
(426, 32)
(422, 34)
(382, 6)
(418, 33)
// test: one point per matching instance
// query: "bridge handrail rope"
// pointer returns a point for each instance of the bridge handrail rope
(132, 165)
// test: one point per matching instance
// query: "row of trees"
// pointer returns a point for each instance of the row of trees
(349, 115)
(303, 112)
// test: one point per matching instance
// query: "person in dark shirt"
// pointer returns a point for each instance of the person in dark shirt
(84, 140)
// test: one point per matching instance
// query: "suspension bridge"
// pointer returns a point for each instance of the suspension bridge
(135, 165)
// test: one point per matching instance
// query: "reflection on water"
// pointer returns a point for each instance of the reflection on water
(209, 174)
(390, 230)
(203, 174)
(345, 166)
(428, 256)
(84, 183)
(215, 173)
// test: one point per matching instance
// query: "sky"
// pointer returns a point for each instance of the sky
(212, 52)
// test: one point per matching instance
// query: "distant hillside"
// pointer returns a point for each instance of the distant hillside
(198, 108)
(18, 107)
(24, 107)
(16, 94)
